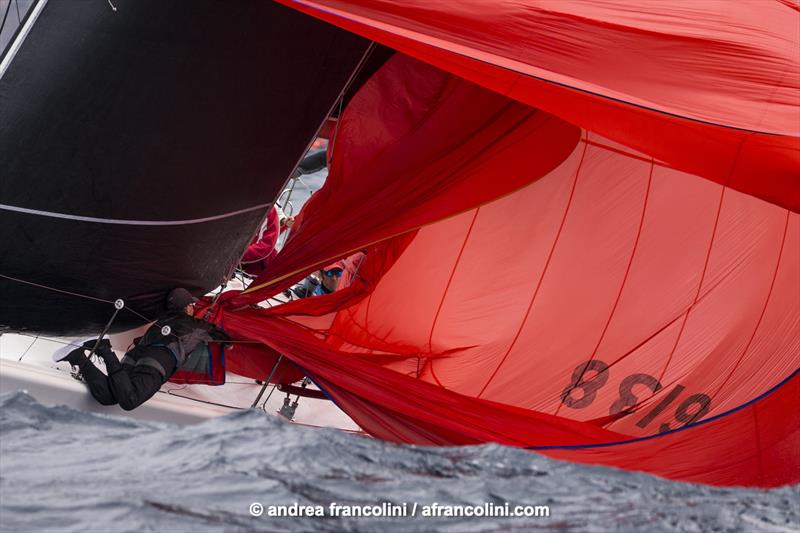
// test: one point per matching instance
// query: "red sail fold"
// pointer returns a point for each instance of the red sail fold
(709, 88)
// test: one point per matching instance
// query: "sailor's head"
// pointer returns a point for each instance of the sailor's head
(330, 277)
(180, 299)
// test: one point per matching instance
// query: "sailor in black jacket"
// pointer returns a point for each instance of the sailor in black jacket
(163, 348)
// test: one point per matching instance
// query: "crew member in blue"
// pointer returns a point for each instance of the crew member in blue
(319, 283)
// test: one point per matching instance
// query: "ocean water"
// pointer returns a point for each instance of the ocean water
(67, 470)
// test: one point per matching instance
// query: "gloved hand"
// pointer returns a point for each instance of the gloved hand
(219, 334)
(105, 345)
(104, 350)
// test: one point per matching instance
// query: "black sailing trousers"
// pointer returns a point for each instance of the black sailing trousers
(127, 385)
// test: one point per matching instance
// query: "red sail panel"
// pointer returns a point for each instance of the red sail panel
(710, 88)
(544, 291)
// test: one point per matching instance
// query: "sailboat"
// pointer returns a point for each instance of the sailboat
(580, 226)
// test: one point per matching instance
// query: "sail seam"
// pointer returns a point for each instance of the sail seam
(763, 310)
(544, 270)
(624, 279)
(450, 281)
(699, 286)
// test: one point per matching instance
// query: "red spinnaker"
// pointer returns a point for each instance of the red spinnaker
(582, 235)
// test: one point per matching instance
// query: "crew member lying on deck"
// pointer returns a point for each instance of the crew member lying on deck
(151, 362)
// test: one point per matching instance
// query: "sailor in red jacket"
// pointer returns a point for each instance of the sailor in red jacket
(263, 248)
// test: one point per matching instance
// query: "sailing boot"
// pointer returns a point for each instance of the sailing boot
(75, 357)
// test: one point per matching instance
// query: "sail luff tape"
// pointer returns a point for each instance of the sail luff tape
(97, 220)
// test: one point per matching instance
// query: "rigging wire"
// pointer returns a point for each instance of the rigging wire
(264, 405)
(222, 286)
(48, 339)
(70, 343)
(5, 16)
(266, 383)
(70, 293)
(28, 348)
(274, 387)
(329, 155)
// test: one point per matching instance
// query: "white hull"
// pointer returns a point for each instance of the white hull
(56, 387)
(52, 383)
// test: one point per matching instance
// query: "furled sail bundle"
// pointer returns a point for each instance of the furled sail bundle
(582, 235)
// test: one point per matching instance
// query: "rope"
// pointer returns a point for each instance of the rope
(256, 260)
(70, 293)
